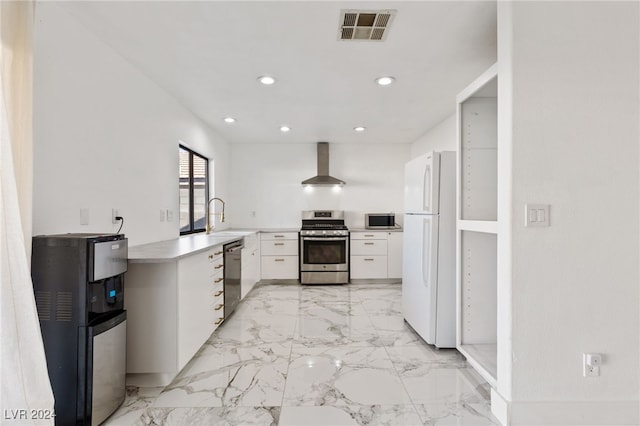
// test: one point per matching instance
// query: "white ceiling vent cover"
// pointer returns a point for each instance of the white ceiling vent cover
(370, 25)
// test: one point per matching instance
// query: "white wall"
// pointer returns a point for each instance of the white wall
(105, 136)
(571, 71)
(266, 179)
(441, 137)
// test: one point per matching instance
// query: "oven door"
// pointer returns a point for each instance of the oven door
(324, 254)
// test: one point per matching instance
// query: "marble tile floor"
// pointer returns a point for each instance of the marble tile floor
(295, 355)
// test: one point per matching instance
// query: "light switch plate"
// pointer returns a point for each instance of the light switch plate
(536, 215)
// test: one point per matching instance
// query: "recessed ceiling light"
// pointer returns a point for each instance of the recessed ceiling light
(285, 129)
(385, 80)
(229, 120)
(266, 79)
(359, 129)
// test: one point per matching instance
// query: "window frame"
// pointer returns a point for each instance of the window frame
(193, 153)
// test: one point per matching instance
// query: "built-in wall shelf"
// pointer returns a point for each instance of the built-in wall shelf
(483, 359)
(477, 225)
(490, 227)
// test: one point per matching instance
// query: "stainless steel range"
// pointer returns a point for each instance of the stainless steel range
(324, 248)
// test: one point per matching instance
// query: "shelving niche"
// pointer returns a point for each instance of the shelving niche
(477, 225)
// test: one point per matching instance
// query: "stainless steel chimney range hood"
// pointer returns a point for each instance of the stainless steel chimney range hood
(323, 178)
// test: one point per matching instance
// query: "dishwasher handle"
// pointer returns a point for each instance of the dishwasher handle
(233, 247)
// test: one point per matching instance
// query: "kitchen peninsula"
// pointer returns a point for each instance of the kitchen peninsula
(174, 296)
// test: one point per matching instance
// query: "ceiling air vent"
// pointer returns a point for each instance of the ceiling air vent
(365, 24)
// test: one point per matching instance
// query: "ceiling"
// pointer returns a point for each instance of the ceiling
(208, 55)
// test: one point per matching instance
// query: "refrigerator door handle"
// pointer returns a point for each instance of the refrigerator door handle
(431, 184)
(429, 250)
(424, 255)
(426, 188)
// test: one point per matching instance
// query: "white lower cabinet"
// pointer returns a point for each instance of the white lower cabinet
(250, 274)
(394, 254)
(172, 309)
(279, 255)
(377, 247)
(374, 267)
(376, 255)
(279, 267)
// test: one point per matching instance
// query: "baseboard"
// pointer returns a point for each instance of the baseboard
(499, 407)
(376, 281)
(566, 413)
(148, 380)
(279, 281)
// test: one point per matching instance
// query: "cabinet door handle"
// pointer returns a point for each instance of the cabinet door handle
(278, 244)
(219, 321)
(368, 259)
(218, 293)
(279, 260)
(369, 244)
(218, 280)
(217, 253)
(210, 256)
(369, 235)
(219, 266)
(278, 236)
(217, 308)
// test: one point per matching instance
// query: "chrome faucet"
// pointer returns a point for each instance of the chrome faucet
(209, 227)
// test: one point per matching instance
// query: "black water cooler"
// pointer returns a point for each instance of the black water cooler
(78, 280)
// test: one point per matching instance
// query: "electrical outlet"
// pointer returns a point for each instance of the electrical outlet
(591, 371)
(114, 213)
(591, 365)
(169, 215)
(162, 215)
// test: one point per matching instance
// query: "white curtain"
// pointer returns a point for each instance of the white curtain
(26, 394)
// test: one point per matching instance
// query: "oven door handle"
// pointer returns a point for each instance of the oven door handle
(325, 238)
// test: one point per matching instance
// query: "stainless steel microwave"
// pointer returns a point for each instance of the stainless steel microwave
(380, 221)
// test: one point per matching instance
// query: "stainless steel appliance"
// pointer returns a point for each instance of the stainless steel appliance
(78, 281)
(324, 248)
(232, 276)
(380, 221)
(322, 178)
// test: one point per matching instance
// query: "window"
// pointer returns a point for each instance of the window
(194, 191)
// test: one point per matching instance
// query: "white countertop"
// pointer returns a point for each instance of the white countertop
(375, 230)
(171, 250)
(177, 248)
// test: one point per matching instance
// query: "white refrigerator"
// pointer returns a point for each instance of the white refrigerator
(429, 248)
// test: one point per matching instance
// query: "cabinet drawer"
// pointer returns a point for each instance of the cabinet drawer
(217, 292)
(372, 235)
(279, 247)
(217, 301)
(368, 267)
(216, 266)
(217, 278)
(369, 247)
(215, 254)
(265, 236)
(279, 267)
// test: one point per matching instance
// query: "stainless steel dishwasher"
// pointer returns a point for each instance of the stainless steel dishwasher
(232, 275)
